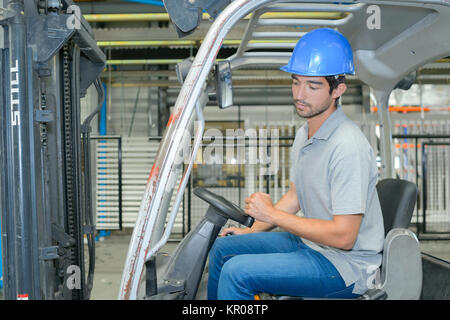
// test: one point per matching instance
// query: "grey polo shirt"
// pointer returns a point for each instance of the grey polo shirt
(335, 173)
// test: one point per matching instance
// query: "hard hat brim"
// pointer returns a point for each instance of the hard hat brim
(287, 68)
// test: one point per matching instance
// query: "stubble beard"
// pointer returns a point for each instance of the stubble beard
(312, 113)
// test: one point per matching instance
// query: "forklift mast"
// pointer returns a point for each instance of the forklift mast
(48, 59)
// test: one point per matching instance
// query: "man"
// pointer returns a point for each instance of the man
(335, 248)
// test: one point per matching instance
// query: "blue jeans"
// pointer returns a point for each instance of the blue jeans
(241, 266)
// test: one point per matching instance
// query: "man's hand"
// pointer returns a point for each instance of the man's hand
(260, 206)
(234, 230)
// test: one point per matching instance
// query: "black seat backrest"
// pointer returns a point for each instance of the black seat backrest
(397, 199)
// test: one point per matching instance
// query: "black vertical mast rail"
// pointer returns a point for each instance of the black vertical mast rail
(19, 199)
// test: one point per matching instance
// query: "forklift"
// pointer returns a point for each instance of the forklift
(387, 52)
(49, 60)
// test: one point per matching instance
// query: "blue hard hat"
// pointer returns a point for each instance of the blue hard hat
(321, 52)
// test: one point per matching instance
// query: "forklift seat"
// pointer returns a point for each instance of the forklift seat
(397, 199)
(401, 268)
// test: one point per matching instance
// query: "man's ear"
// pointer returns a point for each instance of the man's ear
(339, 90)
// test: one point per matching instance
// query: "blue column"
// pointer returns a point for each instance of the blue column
(103, 132)
(102, 125)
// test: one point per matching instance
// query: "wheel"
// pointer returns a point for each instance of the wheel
(224, 207)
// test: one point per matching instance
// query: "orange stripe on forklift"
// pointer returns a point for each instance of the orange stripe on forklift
(173, 116)
(170, 120)
(152, 172)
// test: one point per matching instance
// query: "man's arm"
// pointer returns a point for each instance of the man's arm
(340, 232)
(288, 203)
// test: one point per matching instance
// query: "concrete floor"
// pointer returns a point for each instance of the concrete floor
(109, 262)
(112, 251)
(439, 249)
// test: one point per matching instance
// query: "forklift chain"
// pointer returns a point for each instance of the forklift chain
(69, 155)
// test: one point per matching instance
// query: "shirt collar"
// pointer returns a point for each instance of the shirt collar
(330, 124)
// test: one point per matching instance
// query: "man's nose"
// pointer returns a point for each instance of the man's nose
(300, 93)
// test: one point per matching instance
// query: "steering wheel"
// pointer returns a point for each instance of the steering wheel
(224, 207)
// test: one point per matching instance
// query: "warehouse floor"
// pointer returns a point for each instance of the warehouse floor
(110, 258)
(112, 251)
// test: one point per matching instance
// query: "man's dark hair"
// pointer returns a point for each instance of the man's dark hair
(333, 82)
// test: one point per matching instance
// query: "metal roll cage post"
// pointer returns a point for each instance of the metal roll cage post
(393, 53)
(140, 243)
